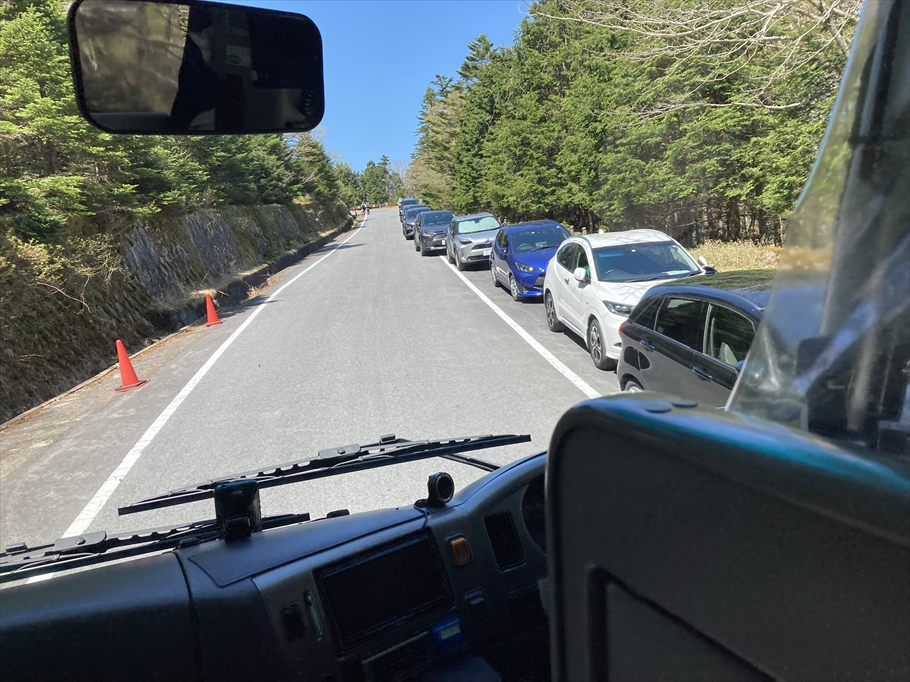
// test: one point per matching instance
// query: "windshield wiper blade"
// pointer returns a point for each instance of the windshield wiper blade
(333, 461)
(20, 562)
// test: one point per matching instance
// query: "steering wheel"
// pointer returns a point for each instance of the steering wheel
(524, 247)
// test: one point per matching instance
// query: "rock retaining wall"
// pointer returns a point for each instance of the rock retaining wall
(63, 305)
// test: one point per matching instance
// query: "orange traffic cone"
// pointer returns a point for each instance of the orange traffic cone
(210, 311)
(128, 378)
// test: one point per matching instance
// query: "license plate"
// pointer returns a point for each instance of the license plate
(484, 252)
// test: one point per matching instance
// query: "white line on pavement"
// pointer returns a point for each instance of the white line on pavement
(104, 493)
(582, 385)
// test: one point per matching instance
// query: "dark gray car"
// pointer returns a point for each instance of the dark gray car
(410, 217)
(690, 337)
(470, 238)
(430, 231)
(404, 204)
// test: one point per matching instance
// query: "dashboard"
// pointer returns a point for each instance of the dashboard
(456, 592)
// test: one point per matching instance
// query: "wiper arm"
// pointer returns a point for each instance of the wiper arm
(20, 562)
(333, 461)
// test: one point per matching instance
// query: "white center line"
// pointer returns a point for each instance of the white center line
(582, 385)
(88, 514)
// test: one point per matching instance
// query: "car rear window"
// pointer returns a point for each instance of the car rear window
(729, 335)
(683, 320)
(647, 316)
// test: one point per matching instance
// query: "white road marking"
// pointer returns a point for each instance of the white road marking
(582, 385)
(104, 493)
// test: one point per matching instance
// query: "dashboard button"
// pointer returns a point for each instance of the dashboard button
(461, 550)
(292, 618)
(478, 607)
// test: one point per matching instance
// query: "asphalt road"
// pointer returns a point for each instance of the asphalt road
(365, 338)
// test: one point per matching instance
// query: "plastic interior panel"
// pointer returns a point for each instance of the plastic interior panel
(766, 551)
(131, 620)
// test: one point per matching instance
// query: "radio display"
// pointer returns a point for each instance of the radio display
(380, 590)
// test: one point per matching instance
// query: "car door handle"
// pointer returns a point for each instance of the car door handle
(702, 374)
(647, 345)
(566, 280)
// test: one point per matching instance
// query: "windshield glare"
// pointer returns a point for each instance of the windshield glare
(539, 238)
(641, 262)
(478, 225)
(437, 218)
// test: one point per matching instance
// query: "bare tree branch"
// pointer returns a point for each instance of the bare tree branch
(723, 36)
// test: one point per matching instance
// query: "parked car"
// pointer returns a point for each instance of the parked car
(593, 302)
(690, 338)
(470, 239)
(410, 217)
(520, 255)
(430, 231)
(405, 203)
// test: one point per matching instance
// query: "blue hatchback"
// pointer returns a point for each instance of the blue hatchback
(520, 255)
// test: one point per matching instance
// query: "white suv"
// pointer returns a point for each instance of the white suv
(593, 282)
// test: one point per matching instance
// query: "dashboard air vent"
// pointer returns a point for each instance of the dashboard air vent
(507, 549)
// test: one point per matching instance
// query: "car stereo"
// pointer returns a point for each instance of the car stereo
(382, 589)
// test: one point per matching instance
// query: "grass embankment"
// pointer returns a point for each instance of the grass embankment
(744, 255)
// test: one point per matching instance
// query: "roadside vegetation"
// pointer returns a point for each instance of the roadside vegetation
(71, 196)
(700, 118)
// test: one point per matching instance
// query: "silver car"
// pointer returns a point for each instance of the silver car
(470, 238)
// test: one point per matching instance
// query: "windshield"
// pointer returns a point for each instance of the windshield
(473, 225)
(412, 213)
(841, 366)
(437, 218)
(538, 238)
(272, 316)
(643, 262)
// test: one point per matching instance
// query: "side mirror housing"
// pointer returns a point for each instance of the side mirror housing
(709, 269)
(580, 275)
(739, 366)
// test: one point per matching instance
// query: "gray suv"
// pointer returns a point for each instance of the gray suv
(470, 238)
(430, 231)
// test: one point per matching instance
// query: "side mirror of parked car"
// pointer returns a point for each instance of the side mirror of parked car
(581, 275)
(709, 269)
(739, 366)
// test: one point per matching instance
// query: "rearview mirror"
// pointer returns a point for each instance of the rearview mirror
(151, 67)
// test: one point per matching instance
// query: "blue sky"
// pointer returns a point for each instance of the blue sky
(381, 56)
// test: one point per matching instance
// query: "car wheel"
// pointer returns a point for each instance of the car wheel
(596, 347)
(425, 252)
(458, 263)
(632, 386)
(513, 289)
(552, 318)
(416, 243)
(449, 256)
